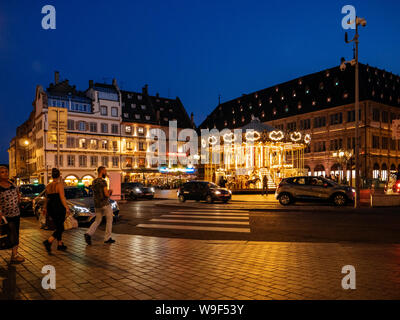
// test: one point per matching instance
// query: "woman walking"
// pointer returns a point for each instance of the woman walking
(9, 209)
(56, 207)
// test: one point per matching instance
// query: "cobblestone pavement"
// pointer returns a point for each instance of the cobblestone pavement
(139, 267)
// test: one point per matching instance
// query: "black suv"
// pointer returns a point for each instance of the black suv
(203, 190)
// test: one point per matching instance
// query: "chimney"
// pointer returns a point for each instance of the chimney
(191, 118)
(158, 116)
(90, 83)
(157, 95)
(144, 90)
(56, 77)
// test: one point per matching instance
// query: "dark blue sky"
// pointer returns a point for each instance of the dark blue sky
(191, 49)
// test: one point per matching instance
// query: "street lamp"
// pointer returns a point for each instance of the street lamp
(343, 157)
(358, 22)
(25, 143)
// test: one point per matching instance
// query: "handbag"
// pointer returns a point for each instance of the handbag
(5, 242)
(70, 223)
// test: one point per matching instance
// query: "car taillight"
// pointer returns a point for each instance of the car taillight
(398, 185)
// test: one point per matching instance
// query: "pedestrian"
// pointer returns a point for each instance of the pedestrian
(9, 209)
(56, 208)
(265, 185)
(101, 195)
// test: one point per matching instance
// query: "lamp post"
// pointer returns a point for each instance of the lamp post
(26, 143)
(354, 62)
(343, 156)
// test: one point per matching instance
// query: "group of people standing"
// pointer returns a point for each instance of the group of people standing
(56, 208)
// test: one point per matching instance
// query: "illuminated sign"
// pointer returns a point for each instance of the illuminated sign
(172, 170)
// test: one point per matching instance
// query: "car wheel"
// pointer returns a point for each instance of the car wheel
(181, 198)
(285, 199)
(339, 199)
(209, 199)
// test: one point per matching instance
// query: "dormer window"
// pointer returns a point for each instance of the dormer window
(307, 90)
(345, 95)
(133, 105)
(276, 89)
(256, 96)
(282, 98)
(299, 105)
(321, 86)
(286, 108)
(143, 107)
(274, 111)
(139, 97)
(147, 117)
(327, 74)
(300, 82)
(294, 93)
(263, 114)
(270, 100)
(314, 103)
(328, 99)
(137, 116)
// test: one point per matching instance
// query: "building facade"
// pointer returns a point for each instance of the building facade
(322, 104)
(102, 129)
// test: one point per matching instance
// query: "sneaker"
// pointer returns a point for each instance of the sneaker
(47, 245)
(88, 239)
(17, 260)
(110, 241)
(62, 247)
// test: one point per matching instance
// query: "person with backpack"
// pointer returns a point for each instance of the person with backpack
(10, 213)
(102, 206)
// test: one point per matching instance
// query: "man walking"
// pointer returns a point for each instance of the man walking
(101, 195)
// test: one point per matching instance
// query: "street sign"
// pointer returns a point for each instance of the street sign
(57, 119)
(396, 129)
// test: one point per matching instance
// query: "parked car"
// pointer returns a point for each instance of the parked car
(80, 202)
(203, 190)
(311, 188)
(136, 190)
(28, 193)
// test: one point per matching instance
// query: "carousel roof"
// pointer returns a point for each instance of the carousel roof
(256, 125)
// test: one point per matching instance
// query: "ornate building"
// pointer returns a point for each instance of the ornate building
(322, 104)
(105, 126)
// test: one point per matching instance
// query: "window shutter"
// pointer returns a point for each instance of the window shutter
(86, 126)
(77, 125)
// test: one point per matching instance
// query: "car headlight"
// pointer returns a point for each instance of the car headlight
(217, 192)
(353, 190)
(138, 190)
(114, 205)
(79, 209)
(230, 191)
(152, 190)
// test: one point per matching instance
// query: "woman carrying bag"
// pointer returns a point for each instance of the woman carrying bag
(9, 213)
(56, 207)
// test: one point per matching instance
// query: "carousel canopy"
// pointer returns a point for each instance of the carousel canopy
(256, 125)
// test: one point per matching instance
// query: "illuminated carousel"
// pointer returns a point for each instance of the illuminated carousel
(256, 150)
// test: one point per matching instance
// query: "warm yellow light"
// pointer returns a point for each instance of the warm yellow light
(26, 142)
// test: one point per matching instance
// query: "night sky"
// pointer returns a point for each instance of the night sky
(192, 49)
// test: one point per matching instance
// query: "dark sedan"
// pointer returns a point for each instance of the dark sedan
(203, 190)
(80, 202)
(28, 193)
(136, 190)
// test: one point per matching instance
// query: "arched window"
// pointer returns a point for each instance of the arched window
(319, 170)
(384, 175)
(375, 171)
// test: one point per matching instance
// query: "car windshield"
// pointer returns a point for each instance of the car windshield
(76, 193)
(31, 189)
(212, 185)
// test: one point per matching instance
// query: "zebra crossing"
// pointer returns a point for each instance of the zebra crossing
(190, 219)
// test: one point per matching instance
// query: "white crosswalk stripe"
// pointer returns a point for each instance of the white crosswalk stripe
(202, 220)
